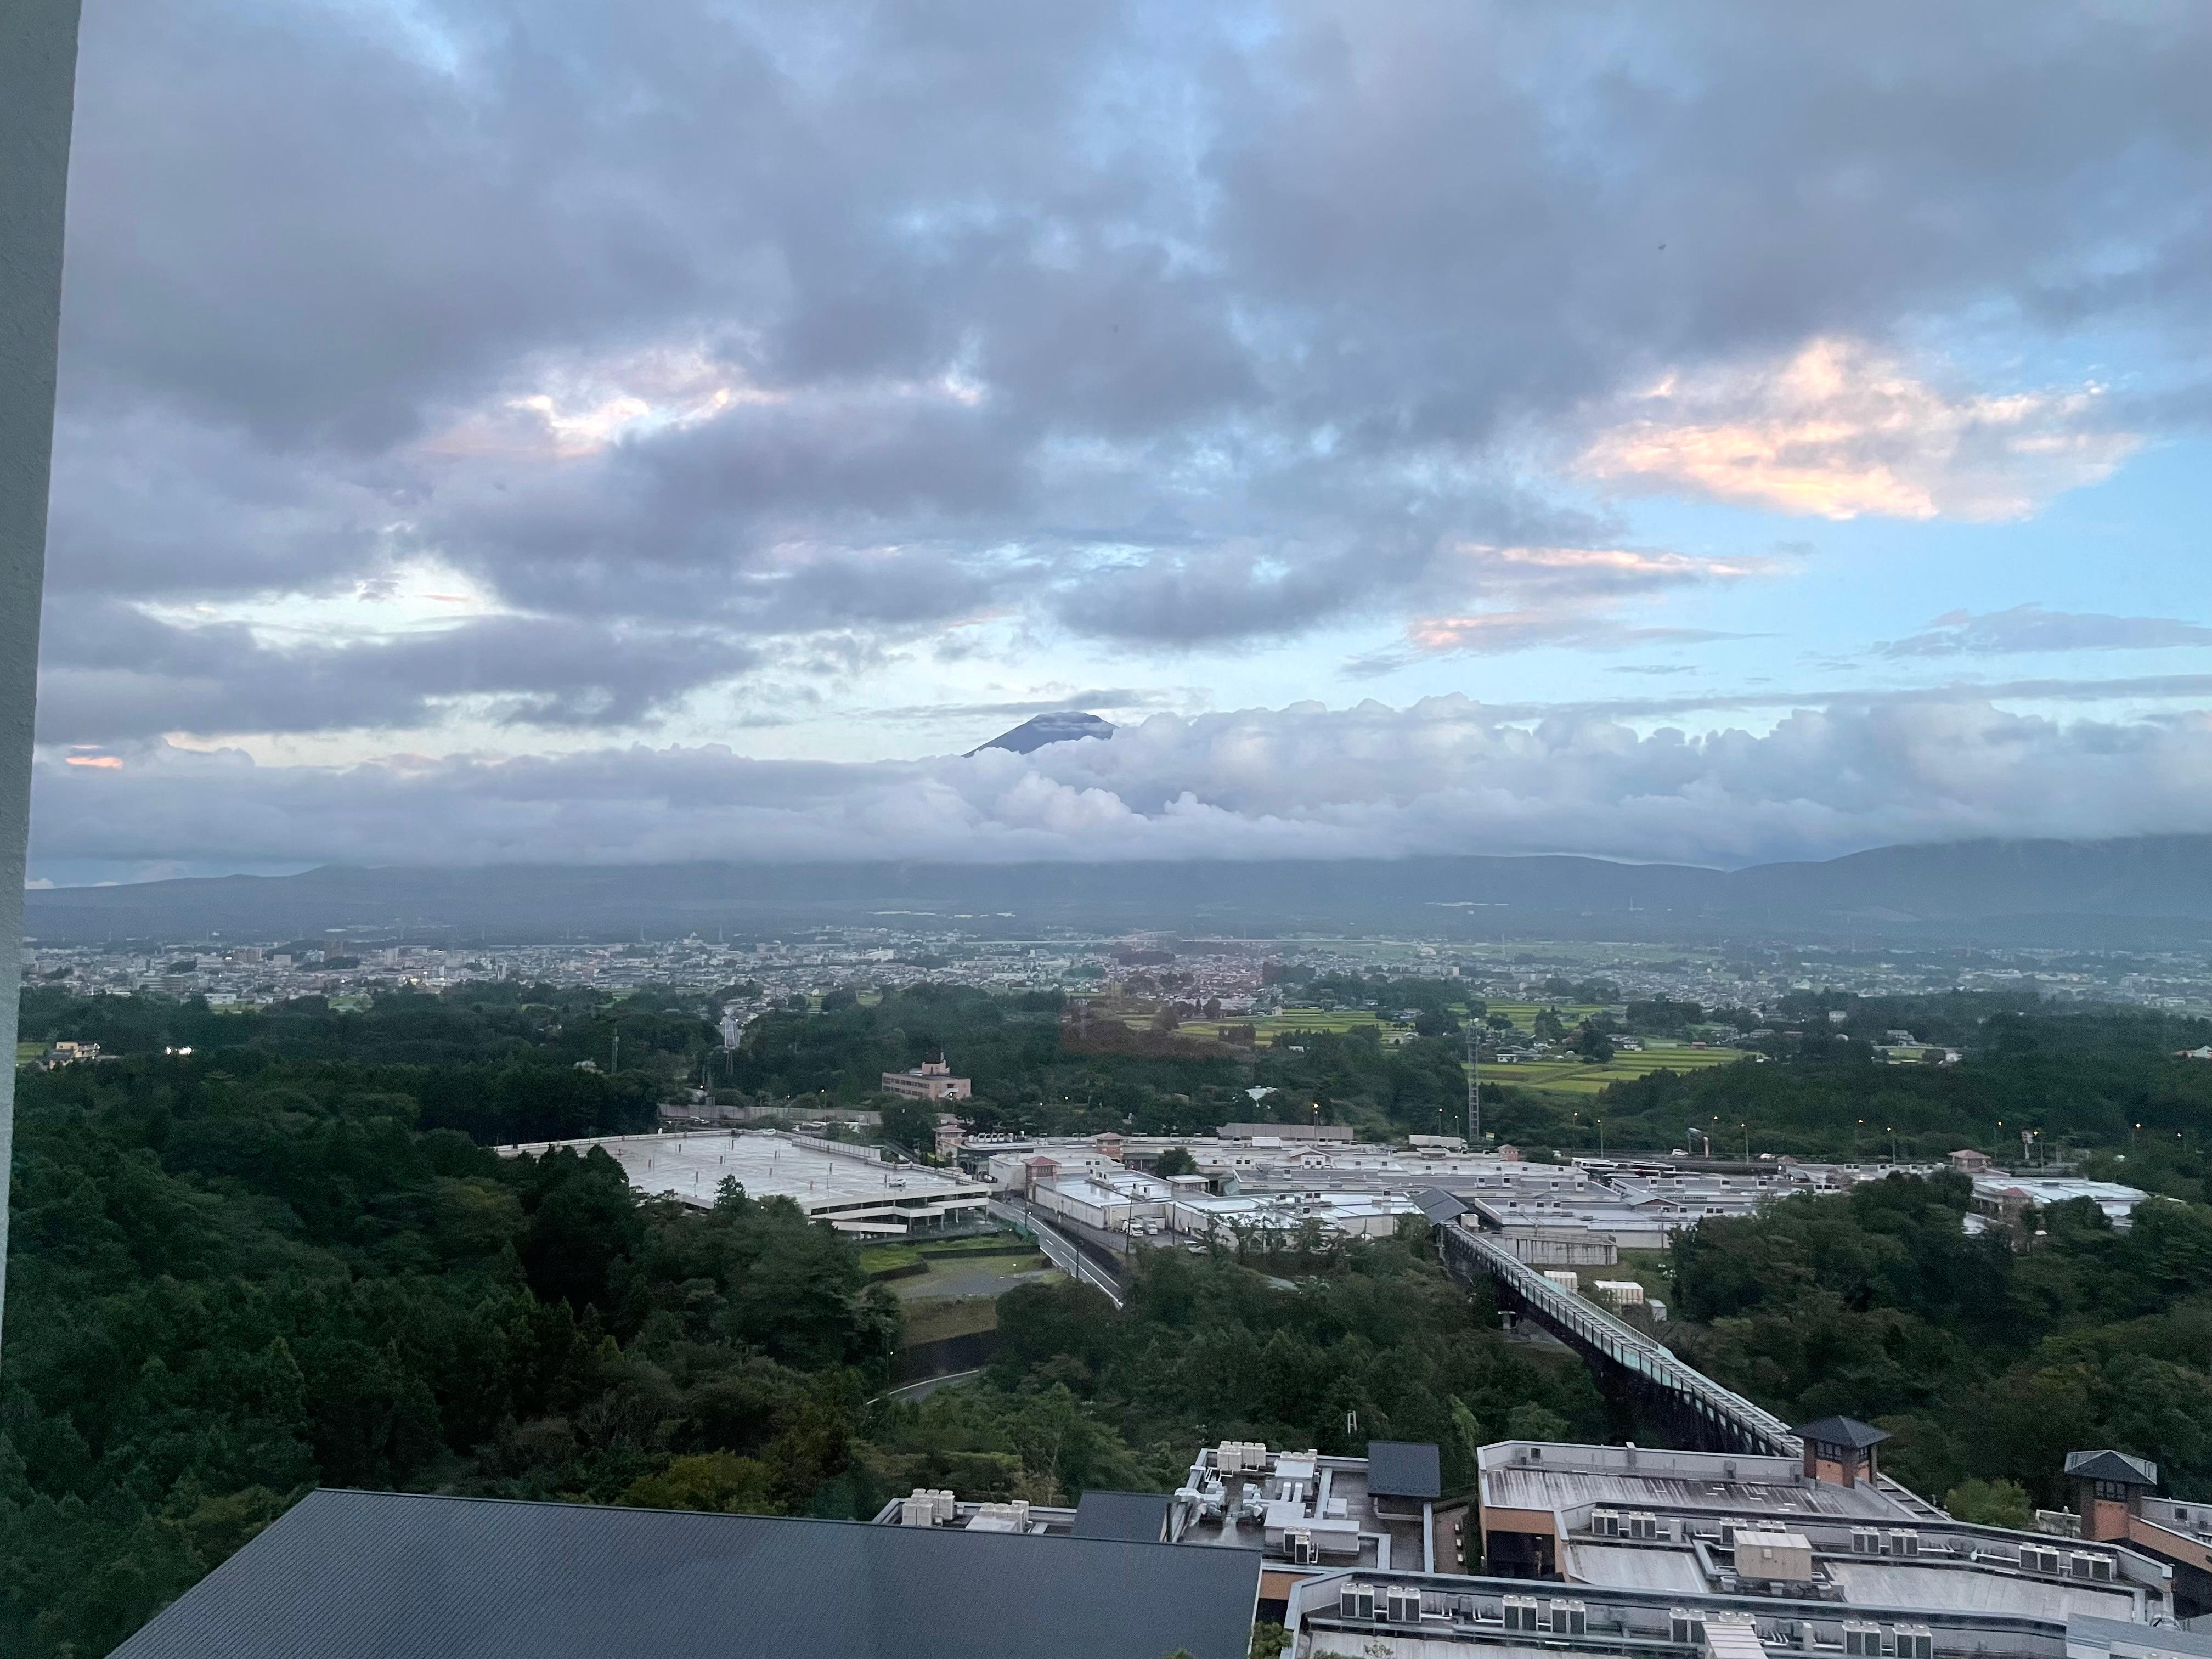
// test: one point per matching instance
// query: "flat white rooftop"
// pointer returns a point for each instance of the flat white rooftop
(691, 1166)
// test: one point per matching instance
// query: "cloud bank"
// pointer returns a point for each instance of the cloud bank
(1446, 775)
(705, 341)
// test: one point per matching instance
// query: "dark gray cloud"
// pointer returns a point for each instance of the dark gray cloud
(849, 321)
(2031, 628)
(115, 675)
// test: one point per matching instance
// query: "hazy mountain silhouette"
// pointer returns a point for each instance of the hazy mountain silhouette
(2143, 891)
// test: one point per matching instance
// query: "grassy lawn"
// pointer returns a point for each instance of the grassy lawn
(875, 1258)
(995, 1244)
(934, 1321)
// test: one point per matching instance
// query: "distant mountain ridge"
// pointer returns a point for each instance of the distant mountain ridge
(2143, 891)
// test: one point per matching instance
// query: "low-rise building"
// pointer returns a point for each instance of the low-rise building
(931, 1080)
(2006, 1199)
(850, 1186)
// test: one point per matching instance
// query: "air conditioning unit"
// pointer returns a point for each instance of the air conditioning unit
(1902, 1542)
(1862, 1641)
(1521, 1613)
(1684, 1628)
(1356, 1602)
(2038, 1558)
(1643, 1526)
(1303, 1552)
(1568, 1619)
(1866, 1541)
(2103, 1566)
(1915, 1642)
(1605, 1523)
(2077, 1564)
(1403, 1607)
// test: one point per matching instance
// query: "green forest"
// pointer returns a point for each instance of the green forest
(1986, 1364)
(288, 1258)
(240, 1274)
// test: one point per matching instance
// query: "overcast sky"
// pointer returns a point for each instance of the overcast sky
(518, 429)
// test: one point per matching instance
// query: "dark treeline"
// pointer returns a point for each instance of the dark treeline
(663, 1030)
(1026, 1081)
(1010, 1046)
(225, 1288)
(1987, 1364)
(2100, 1079)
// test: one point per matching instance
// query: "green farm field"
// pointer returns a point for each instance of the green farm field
(1579, 1076)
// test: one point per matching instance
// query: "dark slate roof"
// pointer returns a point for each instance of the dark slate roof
(1439, 1206)
(2111, 1466)
(1403, 1469)
(356, 1575)
(1843, 1432)
(1134, 1517)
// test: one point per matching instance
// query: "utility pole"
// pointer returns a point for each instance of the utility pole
(38, 91)
(1473, 1086)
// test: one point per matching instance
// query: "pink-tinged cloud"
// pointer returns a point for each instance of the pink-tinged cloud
(1513, 599)
(1839, 431)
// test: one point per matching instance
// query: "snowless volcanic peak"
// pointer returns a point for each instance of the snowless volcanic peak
(1063, 725)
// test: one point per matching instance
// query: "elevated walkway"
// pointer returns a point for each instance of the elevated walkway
(1698, 1409)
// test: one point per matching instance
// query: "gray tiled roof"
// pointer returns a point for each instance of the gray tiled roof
(2111, 1466)
(1404, 1468)
(1136, 1517)
(1843, 1432)
(1439, 1206)
(352, 1575)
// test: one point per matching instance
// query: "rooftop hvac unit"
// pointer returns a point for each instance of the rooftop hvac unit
(1605, 1523)
(1303, 1552)
(1684, 1627)
(946, 1505)
(1356, 1602)
(1915, 1642)
(2080, 1565)
(1862, 1641)
(1569, 1618)
(1521, 1613)
(2038, 1558)
(1643, 1526)
(2102, 1566)
(1904, 1542)
(1241, 1456)
(1402, 1607)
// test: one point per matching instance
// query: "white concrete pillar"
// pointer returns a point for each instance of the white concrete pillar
(38, 89)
